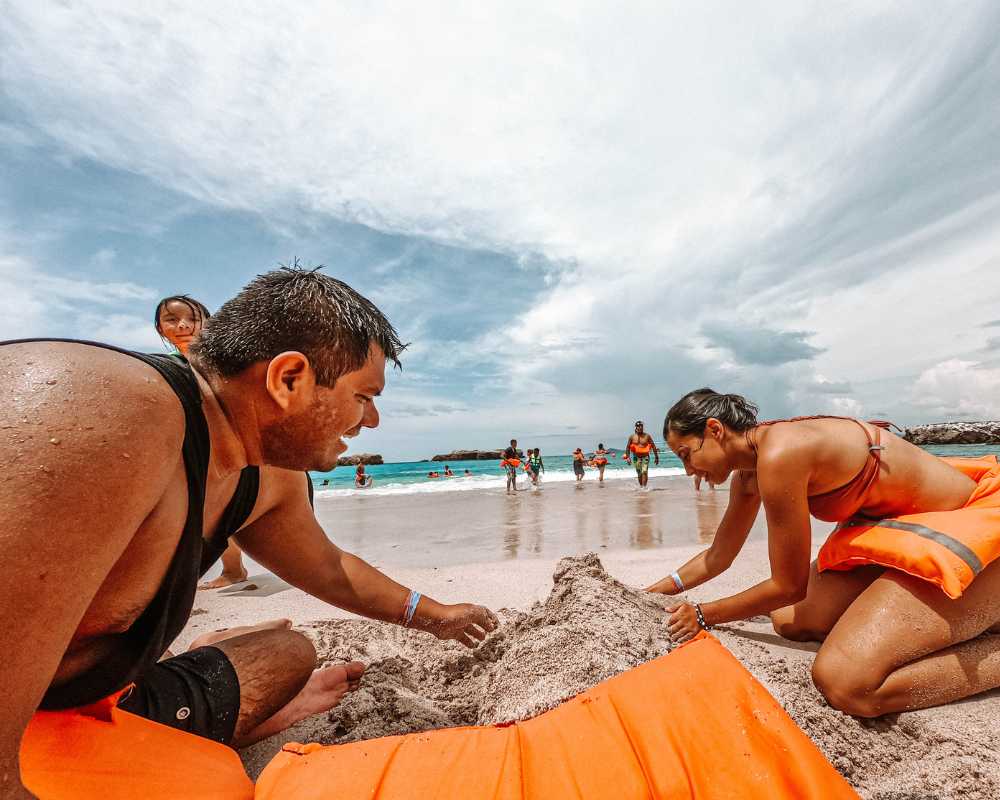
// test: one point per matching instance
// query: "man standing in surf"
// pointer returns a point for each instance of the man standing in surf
(637, 449)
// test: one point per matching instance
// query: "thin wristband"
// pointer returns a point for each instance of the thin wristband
(411, 608)
(676, 578)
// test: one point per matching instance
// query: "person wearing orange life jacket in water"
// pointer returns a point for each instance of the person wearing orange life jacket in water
(637, 449)
(905, 585)
(511, 463)
(600, 460)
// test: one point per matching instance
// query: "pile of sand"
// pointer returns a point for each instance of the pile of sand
(590, 628)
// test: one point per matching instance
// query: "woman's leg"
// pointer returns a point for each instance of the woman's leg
(233, 570)
(827, 597)
(903, 644)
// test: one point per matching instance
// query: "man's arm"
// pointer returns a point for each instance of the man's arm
(79, 479)
(289, 541)
(656, 450)
(628, 452)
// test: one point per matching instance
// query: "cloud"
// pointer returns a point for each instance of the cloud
(752, 345)
(958, 389)
(616, 185)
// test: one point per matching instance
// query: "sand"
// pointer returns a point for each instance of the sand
(562, 635)
(589, 628)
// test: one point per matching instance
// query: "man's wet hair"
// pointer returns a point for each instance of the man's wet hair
(690, 414)
(198, 310)
(294, 308)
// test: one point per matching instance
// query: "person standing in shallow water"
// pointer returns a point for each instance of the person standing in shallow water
(511, 462)
(637, 449)
(179, 320)
(600, 460)
(578, 459)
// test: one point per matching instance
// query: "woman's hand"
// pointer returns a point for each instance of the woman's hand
(683, 622)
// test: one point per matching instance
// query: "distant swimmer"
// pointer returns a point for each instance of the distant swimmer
(600, 461)
(511, 462)
(361, 480)
(637, 449)
(904, 586)
(578, 459)
(535, 465)
(468, 472)
(447, 472)
(433, 474)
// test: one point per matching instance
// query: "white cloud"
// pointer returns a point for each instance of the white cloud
(799, 166)
(957, 388)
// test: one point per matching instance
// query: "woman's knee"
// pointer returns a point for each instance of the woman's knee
(845, 684)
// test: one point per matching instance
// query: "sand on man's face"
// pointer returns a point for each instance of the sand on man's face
(590, 628)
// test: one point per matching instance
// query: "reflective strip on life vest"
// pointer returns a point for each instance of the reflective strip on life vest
(943, 539)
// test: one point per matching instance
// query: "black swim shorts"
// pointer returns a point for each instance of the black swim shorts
(197, 692)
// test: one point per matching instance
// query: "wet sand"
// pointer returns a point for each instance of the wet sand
(561, 636)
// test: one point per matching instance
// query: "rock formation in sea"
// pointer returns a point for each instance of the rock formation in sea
(987, 432)
(359, 458)
(473, 455)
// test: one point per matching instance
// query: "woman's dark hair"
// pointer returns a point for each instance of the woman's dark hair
(689, 414)
(198, 310)
(293, 308)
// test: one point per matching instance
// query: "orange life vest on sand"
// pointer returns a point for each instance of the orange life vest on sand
(691, 724)
(947, 548)
(640, 449)
(100, 751)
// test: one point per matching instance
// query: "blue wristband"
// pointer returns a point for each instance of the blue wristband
(411, 608)
(677, 581)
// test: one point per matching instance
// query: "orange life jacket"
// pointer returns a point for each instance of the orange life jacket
(947, 548)
(640, 449)
(511, 462)
(101, 751)
(691, 724)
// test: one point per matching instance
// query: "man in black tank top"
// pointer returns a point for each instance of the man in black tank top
(124, 476)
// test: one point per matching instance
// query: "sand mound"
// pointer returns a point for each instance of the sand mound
(590, 628)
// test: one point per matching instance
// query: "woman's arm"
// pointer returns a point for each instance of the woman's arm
(744, 503)
(783, 481)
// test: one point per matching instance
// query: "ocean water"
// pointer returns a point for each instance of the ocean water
(410, 477)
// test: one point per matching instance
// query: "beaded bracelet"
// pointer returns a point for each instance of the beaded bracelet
(701, 618)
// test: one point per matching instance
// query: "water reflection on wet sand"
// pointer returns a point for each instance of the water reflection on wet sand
(559, 519)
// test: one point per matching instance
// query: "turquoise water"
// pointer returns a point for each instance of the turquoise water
(411, 476)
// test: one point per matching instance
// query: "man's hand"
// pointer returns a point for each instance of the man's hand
(463, 622)
(665, 586)
(683, 622)
(656, 457)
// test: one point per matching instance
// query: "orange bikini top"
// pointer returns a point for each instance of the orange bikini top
(845, 501)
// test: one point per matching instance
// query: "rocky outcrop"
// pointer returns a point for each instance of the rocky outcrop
(473, 455)
(359, 458)
(955, 433)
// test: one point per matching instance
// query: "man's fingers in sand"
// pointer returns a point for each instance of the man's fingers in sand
(475, 632)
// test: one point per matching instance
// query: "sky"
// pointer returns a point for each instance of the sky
(574, 213)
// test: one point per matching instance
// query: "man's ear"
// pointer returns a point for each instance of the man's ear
(290, 380)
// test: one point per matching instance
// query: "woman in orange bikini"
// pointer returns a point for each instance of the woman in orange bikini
(901, 591)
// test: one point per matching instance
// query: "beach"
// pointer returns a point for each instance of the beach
(560, 636)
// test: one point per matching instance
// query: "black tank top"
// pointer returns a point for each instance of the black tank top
(167, 613)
